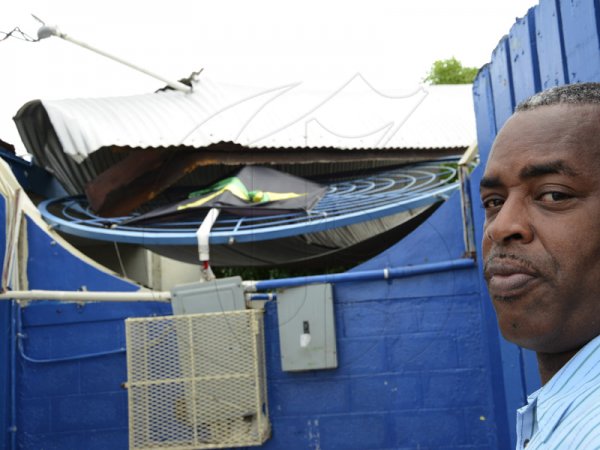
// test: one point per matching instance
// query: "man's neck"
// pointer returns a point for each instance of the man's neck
(550, 363)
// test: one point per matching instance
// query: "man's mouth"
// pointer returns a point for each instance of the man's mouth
(506, 284)
(508, 277)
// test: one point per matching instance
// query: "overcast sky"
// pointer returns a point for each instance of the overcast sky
(322, 44)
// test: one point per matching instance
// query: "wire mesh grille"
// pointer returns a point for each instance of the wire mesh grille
(197, 381)
(346, 202)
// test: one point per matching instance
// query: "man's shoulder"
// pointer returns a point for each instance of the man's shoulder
(585, 397)
(579, 423)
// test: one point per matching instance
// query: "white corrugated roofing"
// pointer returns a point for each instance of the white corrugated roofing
(355, 116)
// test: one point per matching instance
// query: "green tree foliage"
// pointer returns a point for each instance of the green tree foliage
(450, 71)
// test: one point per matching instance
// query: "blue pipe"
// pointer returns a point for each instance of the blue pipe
(19, 344)
(268, 297)
(13, 374)
(67, 358)
(367, 275)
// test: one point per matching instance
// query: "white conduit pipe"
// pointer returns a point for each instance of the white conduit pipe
(88, 296)
(249, 286)
(203, 233)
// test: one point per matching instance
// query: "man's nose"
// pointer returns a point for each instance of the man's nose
(512, 222)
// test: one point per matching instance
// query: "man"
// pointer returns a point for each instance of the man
(541, 249)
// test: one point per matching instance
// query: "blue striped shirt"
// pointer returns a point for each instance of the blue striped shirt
(565, 412)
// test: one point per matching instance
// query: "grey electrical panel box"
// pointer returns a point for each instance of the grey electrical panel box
(224, 294)
(307, 328)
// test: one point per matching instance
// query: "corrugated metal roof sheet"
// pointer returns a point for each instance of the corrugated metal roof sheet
(355, 116)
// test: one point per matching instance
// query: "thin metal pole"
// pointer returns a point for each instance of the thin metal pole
(47, 31)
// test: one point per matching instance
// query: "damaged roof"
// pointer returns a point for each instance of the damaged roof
(355, 116)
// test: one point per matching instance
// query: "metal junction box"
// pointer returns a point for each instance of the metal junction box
(224, 294)
(307, 328)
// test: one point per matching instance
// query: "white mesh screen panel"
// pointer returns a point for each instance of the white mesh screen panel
(197, 381)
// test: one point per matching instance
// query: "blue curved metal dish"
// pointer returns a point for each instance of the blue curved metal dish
(345, 203)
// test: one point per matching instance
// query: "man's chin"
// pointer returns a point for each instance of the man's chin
(521, 332)
(502, 299)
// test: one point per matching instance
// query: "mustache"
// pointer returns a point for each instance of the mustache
(497, 257)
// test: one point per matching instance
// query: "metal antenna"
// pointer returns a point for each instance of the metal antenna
(45, 31)
(38, 19)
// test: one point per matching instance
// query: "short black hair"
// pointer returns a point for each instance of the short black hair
(576, 94)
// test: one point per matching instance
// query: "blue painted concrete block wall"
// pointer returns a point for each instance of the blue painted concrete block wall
(414, 366)
(71, 363)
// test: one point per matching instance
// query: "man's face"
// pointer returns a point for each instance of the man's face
(541, 244)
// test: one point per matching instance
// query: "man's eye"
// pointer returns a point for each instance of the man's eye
(492, 203)
(551, 197)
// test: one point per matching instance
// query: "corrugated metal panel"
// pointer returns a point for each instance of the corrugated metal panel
(356, 116)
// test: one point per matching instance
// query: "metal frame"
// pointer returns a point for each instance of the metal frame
(345, 203)
(465, 166)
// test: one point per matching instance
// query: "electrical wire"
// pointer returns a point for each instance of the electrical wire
(16, 33)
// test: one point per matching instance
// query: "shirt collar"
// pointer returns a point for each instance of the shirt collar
(573, 376)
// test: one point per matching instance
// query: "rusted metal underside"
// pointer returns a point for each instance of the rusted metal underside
(144, 174)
